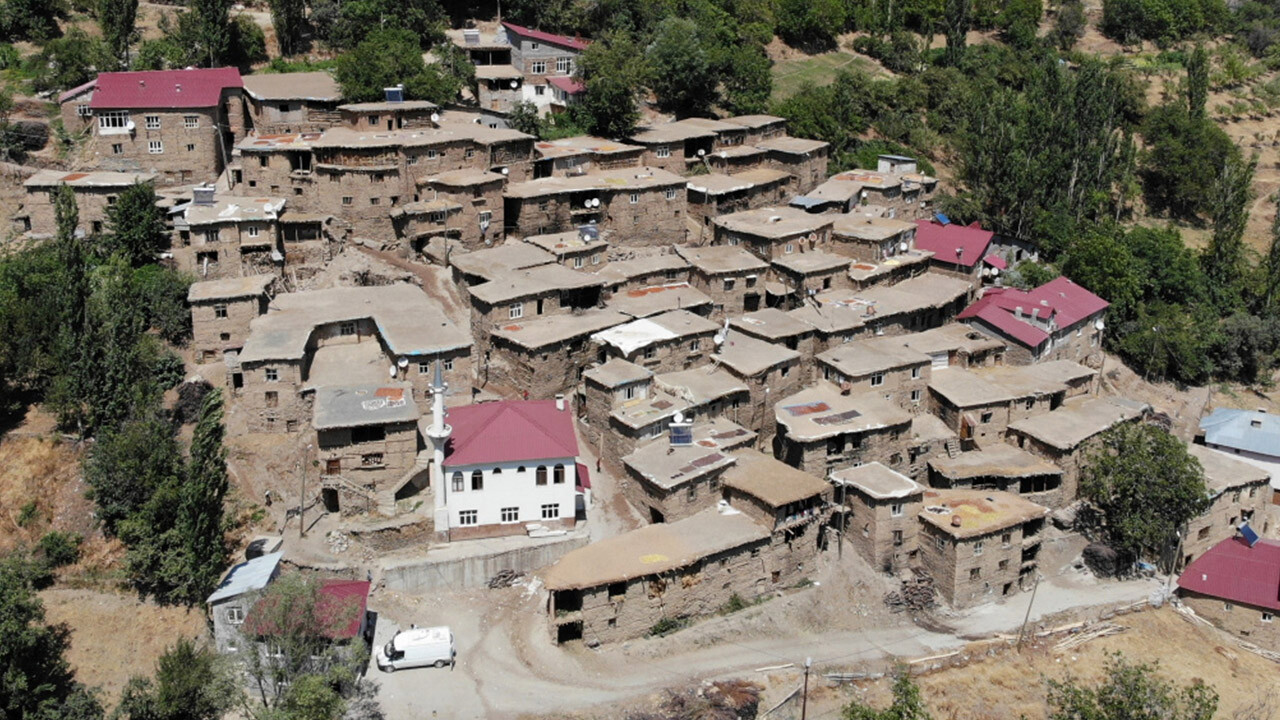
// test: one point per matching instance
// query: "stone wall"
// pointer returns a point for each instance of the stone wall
(906, 386)
(273, 405)
(1247, 502)
(971, 571)
(185, 154)
(659, 504)
(292, 116)
(226, 250)
(731, 293)
(654, 219)
(1255, 624)
(544, 372)
(682, 353)
(91, 202)
(475, 569)
(888, 541)
(211, 334)
(887, 446)
(361, 457)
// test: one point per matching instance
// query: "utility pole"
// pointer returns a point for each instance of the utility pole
(1022, 631)
(804, 700)
(302, 498)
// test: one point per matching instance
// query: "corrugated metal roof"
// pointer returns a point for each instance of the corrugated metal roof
(1235, 572)
(510, 431)
(1257, 432)
(946, 240)
(189, 88)
(246, 577)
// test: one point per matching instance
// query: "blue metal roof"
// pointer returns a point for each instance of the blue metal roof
(247, 576)
(804, 201)
(1249, 430)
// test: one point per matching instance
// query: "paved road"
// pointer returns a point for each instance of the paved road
(507, 664)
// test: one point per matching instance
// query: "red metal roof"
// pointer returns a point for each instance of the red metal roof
(337, 601)
(1060, 299)
(77, 90)
(567, 84)
(546, 37)
(944, 240)
(189, 88)
(510, 431)
(584, 477)
(996, 261)
(1233, 571)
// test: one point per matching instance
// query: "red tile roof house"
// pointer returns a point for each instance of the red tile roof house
(341, 615)
(179, 124)
(510, 468)
(547, 61)
(1237, 588)
(1059, 320)
(957, 249)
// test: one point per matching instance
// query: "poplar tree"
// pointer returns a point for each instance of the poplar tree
(289, 18)
(117, 19)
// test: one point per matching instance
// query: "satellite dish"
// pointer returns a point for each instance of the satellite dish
(902, 247)
(586, 203)
(393, 370)
(595, 202)
(403, 362)
(679, 417)
(701, 152)
(995, 271)
(505, 171)
(435, 117)
(1099, 325)
(724, 155)
(515, 84)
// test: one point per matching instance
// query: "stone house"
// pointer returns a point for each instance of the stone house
(930, 439)
(1066, 436)
(605, 387)
(529, 293)
(178, 124)
(980, 404)
(804, 274)
(95, 192)
(787, 501)
(870, 238)
(499, 87)
(1056, 321)
(1232, 585)
(228, 236)
(674, 147)
(230, 602)
(658, 299)
(391, 113)
(672, 478)
(878, 514)
(510, 468)
(773, 232)
(341, 336)
(581, 154)
(221, 311)
(366, 445)
(547, 355)
(759, 127)
(1238, 493)
(621, 587)
(979, 544)
(881, 365)
(481, 266)
(911, 306)
(956, 345)
(693, 394)
(731, 276)
(805, 160)
(73, 107)
(716, 194)
(626, 271)
(476, 222)
(644, 205)
(779, 328)
(822, 429)
(958, 250)
(675, 340)
(767, 370)
(292, 102)
(582, 249)
(1005, 468)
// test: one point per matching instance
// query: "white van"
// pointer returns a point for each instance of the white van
(418, 647)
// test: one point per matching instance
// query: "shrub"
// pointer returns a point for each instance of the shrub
(60, 548)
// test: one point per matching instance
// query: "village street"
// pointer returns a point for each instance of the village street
(508, 665)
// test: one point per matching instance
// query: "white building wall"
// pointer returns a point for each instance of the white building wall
(514, 486)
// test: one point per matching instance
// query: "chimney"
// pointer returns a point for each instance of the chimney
(1035, 313)
(1018, 312)
(955, 520)
(560, 403)
(202, 195)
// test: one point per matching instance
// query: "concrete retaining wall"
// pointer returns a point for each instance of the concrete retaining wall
(475, 570)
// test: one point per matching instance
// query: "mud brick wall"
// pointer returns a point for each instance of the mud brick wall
(1227, 511)
(810, 170)
(194, 253)
(731, 293)
(280, 116)
(871, 525)
(896, 384)
(652, 220)
(456, 371)
(288, 411)
(690, 497)
(763, 391)
(398, 450)
(211, 334)
(887, 446)
(92, 203)
(681, 353)
(999, 565)
(545, 372)
(190, 155)
(1244, 621)
(475, 201)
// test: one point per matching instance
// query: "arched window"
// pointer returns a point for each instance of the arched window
(497, 471)
(520, 469)
(477, 480)
(457, 482)
(541, 475)
(559, 475)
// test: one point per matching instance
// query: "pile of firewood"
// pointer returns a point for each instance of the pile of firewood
(917, 594)
(505, 578)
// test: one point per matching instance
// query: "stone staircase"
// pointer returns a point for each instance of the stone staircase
(953, 446)
(387, 497)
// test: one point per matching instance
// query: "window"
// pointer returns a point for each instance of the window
(977, 548)
(895, 510)
(371, 459)
(1267, 617)
(635, 198)
(457, 482)
(253, 231)
(346, 200)
(220, 310)
(477, 480)
(1204, 533)
(485, 217)
(431, 154)
(728, 284)
(1227, 606)
(374, 200)
(271, 398)
(153, 122)
(438, 216)
(83, 110)
(915, 396)
(579, 261)
(191, 122)
(915, 373)
(373, 119)
(113, 120)
(662, 151)
(986, 417)
(516, 311)
(563, 65)
(1006, 539)
(975, 573)
(650, 353)
(510, 514)
(789, 248)
(551, 511)
(540, 475)
(595, 259)
(539, 67)
(877, 379)
(191, 147)
(1004, 565)
(235, 614)
(155, 147)
(263, 161)
(117, 149)
(468, 517)
(692, 492)
(557, 475)
(347, 328)
(470, 153)
(271, 374)
(897, 538)
(939, 543)
(539, 90)
(671, 193)
(447, 364)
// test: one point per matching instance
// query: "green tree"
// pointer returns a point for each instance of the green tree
(289, 18)
(248, 42)
(1197, 83)
(200, 512)
(748, 79)
(36, 682)
(192, 682)
(1146, 487)
(68, 388)
(1069, 24)
(524, 118)
(71, 60)
(118, 18)
(1224, 259)
(358, 19)
(613, 71)
(127, 465)
(34, 20)
(1130, 691)
(682, 77)
(135, 226)
(1270, 268)
(1182, 161)
(389, 57)
(1019, 21)
(810, 24)
(907, 703)
(211, 39)
(957, 13)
